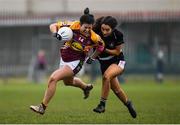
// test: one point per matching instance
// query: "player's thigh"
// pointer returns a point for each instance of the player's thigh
(68, 80)
(62, 73)
(115, 85)
(112, 71)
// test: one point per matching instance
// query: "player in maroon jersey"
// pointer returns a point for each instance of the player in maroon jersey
(73, 55)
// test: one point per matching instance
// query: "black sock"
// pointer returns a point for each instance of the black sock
(44, 107)
(103, 102)
(127, 103)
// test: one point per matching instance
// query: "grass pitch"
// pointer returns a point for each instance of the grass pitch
(155, 103)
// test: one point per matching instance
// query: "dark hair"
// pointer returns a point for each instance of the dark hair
(109, 20)
(87, 18)
(97, 25)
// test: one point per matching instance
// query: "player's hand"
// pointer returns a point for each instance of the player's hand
(101, 46)
(90, 60)
(87, 49)
(59, 37)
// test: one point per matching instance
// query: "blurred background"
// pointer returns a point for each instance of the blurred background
(149, 26)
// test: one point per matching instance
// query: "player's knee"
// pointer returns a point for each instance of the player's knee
(106, 77)
(52, 80)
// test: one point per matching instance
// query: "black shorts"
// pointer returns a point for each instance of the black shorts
(114, 60)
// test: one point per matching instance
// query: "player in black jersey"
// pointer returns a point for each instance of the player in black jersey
(112, 62)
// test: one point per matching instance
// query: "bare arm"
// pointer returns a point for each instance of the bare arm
(99, 49)
(53, 28)
(115, 51)
(92, 57)
(95, 54)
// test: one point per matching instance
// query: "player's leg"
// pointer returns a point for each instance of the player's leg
(57, 75)
(76, 66)
(115, 85)
(111, 72)
(118, 91)
(77, 82)
(74, 81)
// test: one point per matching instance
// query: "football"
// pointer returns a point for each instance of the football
(66, 33)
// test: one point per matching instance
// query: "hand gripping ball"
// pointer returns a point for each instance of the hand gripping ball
(66, 33)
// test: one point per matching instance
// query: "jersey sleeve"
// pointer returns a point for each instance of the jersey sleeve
(75, 25)
(119, 37)
(95, 37)
(99, 43)
(71, 24)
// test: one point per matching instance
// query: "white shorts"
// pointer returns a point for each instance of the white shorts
(121, 64)
(72, 64)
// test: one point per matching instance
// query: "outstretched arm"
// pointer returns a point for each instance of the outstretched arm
(99, 49)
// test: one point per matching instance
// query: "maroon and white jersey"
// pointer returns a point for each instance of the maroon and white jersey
(80, 45)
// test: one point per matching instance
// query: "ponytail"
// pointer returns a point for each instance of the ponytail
(87, 17)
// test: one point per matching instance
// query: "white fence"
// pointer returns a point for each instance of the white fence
(76, 6)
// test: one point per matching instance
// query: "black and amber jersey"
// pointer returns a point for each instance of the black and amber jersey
(75, 49)
(75, 26)
(105, 59)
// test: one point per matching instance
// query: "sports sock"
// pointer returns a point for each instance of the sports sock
(127, 103)
(103, 102)
(44, 107)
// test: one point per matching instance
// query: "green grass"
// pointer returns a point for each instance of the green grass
(155, 103)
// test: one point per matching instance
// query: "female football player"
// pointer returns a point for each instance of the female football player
(73, 55)
(111, 62)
